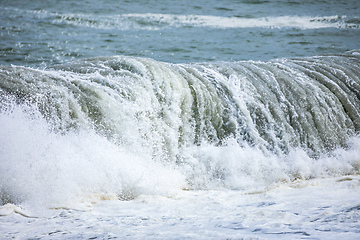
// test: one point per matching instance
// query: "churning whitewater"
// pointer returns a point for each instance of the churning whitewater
(123, 126)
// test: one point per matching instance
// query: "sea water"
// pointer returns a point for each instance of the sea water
(179, 119)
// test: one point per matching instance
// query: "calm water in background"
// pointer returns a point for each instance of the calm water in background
(50, 32)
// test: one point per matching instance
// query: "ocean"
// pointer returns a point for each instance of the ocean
(180, 119)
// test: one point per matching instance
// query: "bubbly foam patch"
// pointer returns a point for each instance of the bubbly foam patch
(42, 168)
(248, 168)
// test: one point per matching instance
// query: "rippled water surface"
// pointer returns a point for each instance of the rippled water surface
(46, 32)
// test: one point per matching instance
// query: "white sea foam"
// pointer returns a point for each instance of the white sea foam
(318, 208)
(43, 169)
(157, 21)
(131, 147)
(302, 22)
(121, 127)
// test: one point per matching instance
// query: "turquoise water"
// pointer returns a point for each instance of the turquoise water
(48, 32)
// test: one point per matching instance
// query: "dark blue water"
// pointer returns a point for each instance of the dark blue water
(43, 33)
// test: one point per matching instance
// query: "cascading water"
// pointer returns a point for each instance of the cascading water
(157, 120)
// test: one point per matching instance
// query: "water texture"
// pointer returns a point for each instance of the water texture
(179, 119)
(47, 32)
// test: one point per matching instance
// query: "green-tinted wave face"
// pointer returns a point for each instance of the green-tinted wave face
(309, 103)
(124, 126)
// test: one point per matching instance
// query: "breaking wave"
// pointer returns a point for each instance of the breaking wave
(123, 126)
